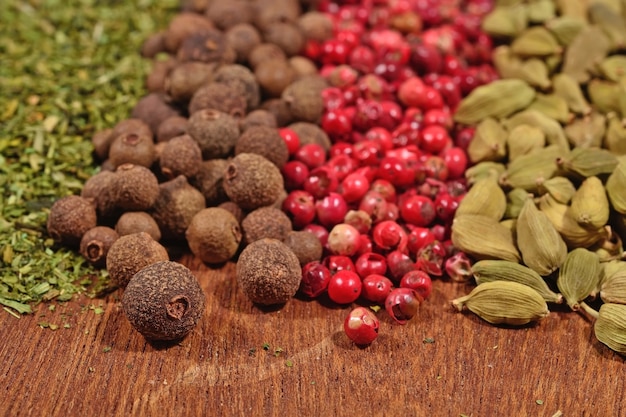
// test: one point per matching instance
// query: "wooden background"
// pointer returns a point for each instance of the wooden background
(100, 366)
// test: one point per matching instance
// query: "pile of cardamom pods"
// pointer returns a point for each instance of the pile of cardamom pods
(546, 214)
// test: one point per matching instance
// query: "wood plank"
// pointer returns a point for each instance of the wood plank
(101, 366)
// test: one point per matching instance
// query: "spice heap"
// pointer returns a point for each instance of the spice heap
(548, 174)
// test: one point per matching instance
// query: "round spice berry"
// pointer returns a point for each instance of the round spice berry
(361, 326)
(344, 287)
(315, 279)
(402, 304)
(376, 288)
(419, 281)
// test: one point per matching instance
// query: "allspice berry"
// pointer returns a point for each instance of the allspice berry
(304, 99)
(279, 108)
(305, 245)
(268, 272)
(101, 142)
(164, 301)
(95, 244)
(135, 188)
(226, 14)
(99, 187)
(243, 38)
(258, 117)
(265, 51)
(184, 25)
(171, 127)
(242, 80)
(132, 148)
(264, 141)
(175, 206)
(152, 109)
(209, 180)
(216, 132)
(316, 26)
(210, 46)
(188, 77)
(130, 253)
(286, 35)
(137, 221)
(274, 75)
(155, 81)
(221, 97)
(180, 156)
(214, 235)
(70, 218)
(311, 133)
(265, 222)
(233, 209)
(252, 181)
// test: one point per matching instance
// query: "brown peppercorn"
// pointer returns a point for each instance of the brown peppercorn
(131, 125)
(268, 272)
(265, 222)
(304, 99)
(269, 12)
(164, 301)
(265, 52)
(95, 244)
(214, 235)
(216, 132)
(176, 205)
(209, 180)
(134, 188)
(315, 26)
(286, 35)
(311, 133)
(70, 218)
(265, 141)
(226, 14)
(220, 97)
(258, 117)
(195, 6)
(101, 142)
(130, 253)
(180, 156)
(153, 109)
(302, 66)
(186, 78)
(156, 79)
(153, 45)
(233, 209)
(99, 188)
(132, 148)
(252, 181)
(244, 82)
(137, 221)
(184, 25)
(206, 47)
(305, 245)
(243, 38)
(171, 127)
(273, 76)
(279, 108)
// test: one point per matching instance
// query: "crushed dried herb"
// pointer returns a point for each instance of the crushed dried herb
(70, 68)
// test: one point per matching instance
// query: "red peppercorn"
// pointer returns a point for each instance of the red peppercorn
(331, 209)
(311, 154)
(402, 304)
(315, 279)
(389, 235)
(370, 263)
(299, 205)
(418, 210)
(321, 181)
(419, 281)
(290, 138)
(294, 174)
(361, 326)
(376, 288)
(343, 239)
(344, 287)
(336, 263)
(354, 186)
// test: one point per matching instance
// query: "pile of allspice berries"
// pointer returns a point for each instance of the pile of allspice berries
(545, 217)
(198, 163)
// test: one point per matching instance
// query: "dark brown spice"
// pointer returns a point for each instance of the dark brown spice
(186, 78)
(220, 97)
(264, 141)
(252, 181)
(137, 221)
(95, 244)
(243, 38)
(209, 181)
(265, 222)
(171, 127)
(129, 254)
(305, 245)
(214, 235)
(216, 132)
(70, 218)
(180, 156)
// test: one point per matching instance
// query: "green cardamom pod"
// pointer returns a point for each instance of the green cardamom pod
(610, 22)
(483, 237)
(489, 142)
(590, 204)
(560, 188)
(587, 131)
(535, 41)
(587, 162)
(566, 87)
(483, 170)
(485, 197)
(565, 28)
(506, 21)
(504, 302)
(613, 67)
(572, 8)
(604, 95)
(534, 71)
(541, 11)
(613, 285)
(523, 139)
(550, 127)
(591, 45)
(540, 244)
(616, 187)
(579, 276)
(552, 106)
(515, 201)
(530, 170)
(497, 99)
(610, 326)
(496, 270)
(615, 137)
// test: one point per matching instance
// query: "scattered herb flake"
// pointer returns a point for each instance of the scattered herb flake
(107, 349)
(251, 351)
(266, 346)
(66, 326)
(98, 310)
(428, 340)
(53, 326)
(539, 402)
(278, 351)
(375, 308)
(289, 363)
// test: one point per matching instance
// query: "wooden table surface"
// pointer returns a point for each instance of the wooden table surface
(241, 360)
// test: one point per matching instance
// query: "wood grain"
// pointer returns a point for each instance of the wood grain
(101, 366)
